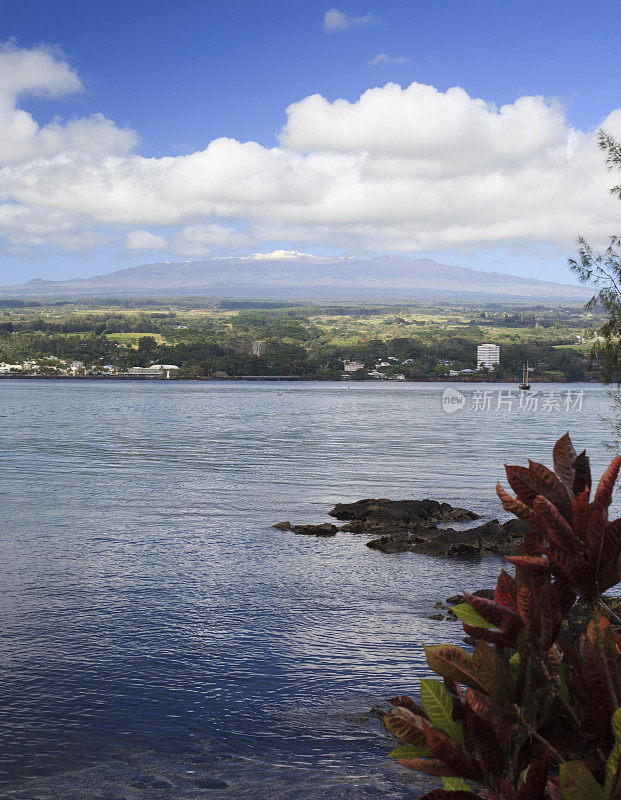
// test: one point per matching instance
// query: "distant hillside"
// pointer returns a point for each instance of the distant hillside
(299, 276)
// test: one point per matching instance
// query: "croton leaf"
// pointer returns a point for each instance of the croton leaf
(564, 455)
(449, 752)
(409, 751)
(406, 726)
(495, 613)
(521, 481)
(483, 739)
(603, 494)
(582, 477)
(556, 526)
(430, 766)
(454, 663)
(578, 783)
(466, 613)
(455, 784)
(514, 506)
(494, 672)
(407, 702)
(533, 563)
(551, 487)
(506, 591)
(581, 508)
(439, 708)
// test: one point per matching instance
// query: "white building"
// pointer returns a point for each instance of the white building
(488, 355)
(154, 371)
(353, 366)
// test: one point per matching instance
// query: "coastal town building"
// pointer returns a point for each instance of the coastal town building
(488, 355)
(75, 367)
(154, 371)
(353, 366)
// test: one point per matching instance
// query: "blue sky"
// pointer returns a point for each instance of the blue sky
(185, 73)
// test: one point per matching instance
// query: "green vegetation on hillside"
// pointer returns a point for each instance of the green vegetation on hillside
(270, 339)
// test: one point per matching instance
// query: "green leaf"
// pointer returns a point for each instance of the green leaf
(455, 784)
(613, 759)
(578, 783)
(514, 666)
(409, 751)
(467, 614)
(439, 708)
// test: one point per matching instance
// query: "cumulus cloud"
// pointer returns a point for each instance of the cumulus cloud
(42, 72)
(384, 58)
(137, 241)
(401, 169)
(335, 20)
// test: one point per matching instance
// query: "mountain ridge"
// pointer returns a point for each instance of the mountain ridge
(302, 276)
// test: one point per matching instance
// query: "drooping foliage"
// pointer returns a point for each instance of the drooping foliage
(527, 714)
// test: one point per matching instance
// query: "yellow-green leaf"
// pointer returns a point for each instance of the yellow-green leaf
(455, 785)
(409, 751)
(578, 783)
(467, 614)
(439, 708)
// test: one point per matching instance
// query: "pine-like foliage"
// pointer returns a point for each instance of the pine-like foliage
(527, 715)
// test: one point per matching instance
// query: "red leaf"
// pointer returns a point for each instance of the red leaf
(506, 591)
(564, 456)
(534, 563)
(406, 726)
(430, 766)
(551, 487)
(514, 506)
(449, 752)
(454, 663)
(555, 524)
(603, 495)
(407, 702)
(485, 742)
(493, 612)
(581, 513)
(582, 479)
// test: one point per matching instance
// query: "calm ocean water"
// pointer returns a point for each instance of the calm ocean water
(160, 639)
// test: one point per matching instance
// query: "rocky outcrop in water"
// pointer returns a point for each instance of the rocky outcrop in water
(491, 537)
(412, 526)
(391, 516)
(325, 529)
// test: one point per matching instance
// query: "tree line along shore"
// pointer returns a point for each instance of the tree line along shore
(119, 339)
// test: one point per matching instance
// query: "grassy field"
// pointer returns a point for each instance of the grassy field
(131, 339)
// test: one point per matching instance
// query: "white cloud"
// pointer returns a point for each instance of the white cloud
(42, 72)
(335, 20)
(384, 58)
(409, 169)
(136, 241)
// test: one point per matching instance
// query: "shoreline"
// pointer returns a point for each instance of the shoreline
(271, 378)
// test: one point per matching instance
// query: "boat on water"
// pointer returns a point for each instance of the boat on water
(525, 384)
